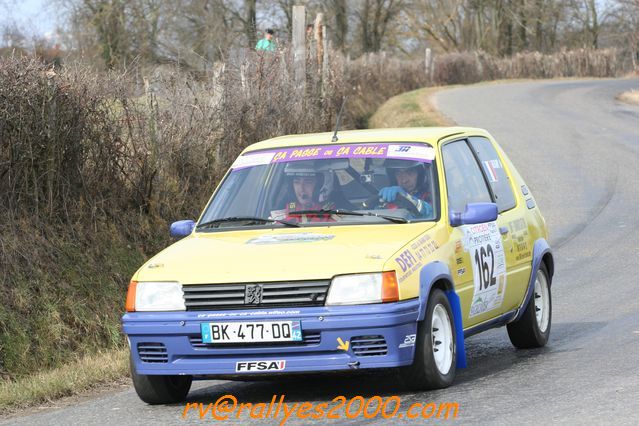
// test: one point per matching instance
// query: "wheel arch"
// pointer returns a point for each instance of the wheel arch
(433, 275)
(541, 253)
(437, 275)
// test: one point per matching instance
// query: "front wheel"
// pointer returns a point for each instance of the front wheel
(436, 349)
(533, 328)
(160, 389)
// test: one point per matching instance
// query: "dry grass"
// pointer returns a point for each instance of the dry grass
(411, 109)
(69, 379)
(630, 97)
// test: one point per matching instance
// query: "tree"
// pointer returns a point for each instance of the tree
(197, 30)
(120, 30)
(625, 28)
(245, 13)
(374, 18)
(12, 36)
(336, 13)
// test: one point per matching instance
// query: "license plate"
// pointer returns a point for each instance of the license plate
(249, 332)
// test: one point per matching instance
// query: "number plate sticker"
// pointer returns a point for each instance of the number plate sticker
(484, 244)
(251, 331)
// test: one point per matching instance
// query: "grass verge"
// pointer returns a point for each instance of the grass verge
(62, 290)
(630, 97)
(67, 380)
(410, 109)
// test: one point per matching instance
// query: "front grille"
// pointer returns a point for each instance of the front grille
(369, 345)
(152, 352)
(255, 295)
(310, 338)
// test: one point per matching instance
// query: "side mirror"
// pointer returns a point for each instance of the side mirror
(474, 213)
(182, 228)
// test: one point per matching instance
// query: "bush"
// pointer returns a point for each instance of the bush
(466, 68)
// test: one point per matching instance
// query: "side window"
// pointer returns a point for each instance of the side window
(495, 173)
(464, 179)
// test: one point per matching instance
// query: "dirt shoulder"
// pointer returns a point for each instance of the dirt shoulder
(630, 97)
(70, 384)
(410, 109)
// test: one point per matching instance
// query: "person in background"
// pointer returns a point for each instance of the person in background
(267, 42)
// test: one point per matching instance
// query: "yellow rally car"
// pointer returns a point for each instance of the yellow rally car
(369, 249)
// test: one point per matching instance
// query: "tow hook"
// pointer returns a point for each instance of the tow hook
(354, 365)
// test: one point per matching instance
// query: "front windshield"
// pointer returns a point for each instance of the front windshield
(327, 184)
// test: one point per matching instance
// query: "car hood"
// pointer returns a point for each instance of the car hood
(279, 254)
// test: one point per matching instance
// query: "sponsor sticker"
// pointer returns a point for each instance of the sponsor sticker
(249, 314)
(407, 264)
(409, 341)
(305, 237)
(250, 160)
(416, 152)
(247, 366)
(413, 152)
(491, 166)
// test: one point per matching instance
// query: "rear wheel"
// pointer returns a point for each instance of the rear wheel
(533, 328)
(160, 389)
(436, 348)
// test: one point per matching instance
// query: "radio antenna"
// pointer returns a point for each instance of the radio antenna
(339, 119)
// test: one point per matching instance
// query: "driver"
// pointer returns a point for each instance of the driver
(310, 189)
(410, 179)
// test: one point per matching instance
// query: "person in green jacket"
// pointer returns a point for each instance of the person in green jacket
(267, 42)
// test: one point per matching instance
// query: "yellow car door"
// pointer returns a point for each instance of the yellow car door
(511, 220)
(480, 267)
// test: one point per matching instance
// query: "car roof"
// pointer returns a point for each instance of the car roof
(431, 135)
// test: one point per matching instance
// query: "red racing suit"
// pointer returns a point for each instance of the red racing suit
(295, 218)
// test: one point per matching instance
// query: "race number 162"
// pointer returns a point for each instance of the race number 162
(486, 271)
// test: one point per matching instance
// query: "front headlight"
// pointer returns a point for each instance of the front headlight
(359, 289)
(156, 296)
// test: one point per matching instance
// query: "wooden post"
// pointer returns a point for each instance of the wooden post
(299, 46)
(324, 62)
(319, 35)
(480, 67)
(428, 63)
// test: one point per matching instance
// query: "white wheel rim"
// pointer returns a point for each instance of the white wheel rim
(542, 302)
(442, 339)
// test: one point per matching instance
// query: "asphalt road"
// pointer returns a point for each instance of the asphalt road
(578, 149)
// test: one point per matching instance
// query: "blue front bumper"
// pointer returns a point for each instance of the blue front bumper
(379, 336)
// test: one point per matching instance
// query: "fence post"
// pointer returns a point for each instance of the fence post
(324, 62)
(299, 47)
(427, 63)
(319, 36)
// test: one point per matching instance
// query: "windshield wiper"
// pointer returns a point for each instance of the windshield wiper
(394, 219)
(210, 223)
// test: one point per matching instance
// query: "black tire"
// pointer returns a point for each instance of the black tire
(424, 373)
(528, 332)
(160, 389)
